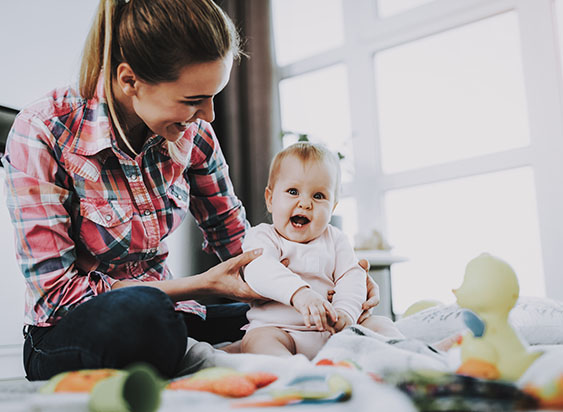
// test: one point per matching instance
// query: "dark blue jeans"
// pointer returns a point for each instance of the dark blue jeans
(124, 326)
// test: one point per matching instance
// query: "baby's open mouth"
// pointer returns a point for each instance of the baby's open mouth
(299, 221)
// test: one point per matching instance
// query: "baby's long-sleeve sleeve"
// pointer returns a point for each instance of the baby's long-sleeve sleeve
(266, 275)
(350, 278)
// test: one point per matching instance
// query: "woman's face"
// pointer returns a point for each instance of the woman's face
(168, 108)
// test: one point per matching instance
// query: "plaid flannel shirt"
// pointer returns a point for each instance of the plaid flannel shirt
(86, 214)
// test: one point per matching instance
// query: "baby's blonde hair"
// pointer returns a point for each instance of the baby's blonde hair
(305, 151)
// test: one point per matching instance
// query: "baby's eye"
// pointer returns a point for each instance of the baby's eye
(293, 192)
(318, 196)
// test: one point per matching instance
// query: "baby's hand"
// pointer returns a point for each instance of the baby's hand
(316, 310)
(343, 321)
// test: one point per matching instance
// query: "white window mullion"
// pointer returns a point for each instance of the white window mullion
(359, 63)
(541, 67)
(490, 163)
(435, 17)
(312, 63)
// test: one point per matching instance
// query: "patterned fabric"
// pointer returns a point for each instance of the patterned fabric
(87, 215)
(439, 391)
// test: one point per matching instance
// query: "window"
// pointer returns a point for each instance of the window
(441, 226)
(451, 120)
(298, 23)
(386, 8)
(322, 112)
(465, 98)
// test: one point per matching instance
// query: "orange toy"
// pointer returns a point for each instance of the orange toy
(549, 395)
(78, 381)
(224, 381)
(479, 369)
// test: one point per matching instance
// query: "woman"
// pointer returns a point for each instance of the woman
(98, 177)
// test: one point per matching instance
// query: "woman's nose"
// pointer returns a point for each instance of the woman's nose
(206, 111)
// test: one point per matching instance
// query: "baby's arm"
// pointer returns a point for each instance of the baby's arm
(350, 282)
(268, 277)
(266, 274)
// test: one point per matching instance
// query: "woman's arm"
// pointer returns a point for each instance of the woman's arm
(350, 279)
(213, 202)
(223, 280)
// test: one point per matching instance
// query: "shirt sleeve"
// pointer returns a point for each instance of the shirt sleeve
(218, 211)
(266, 275)
(38, 197)
(350, 278)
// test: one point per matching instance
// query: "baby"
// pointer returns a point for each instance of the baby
(302, 193)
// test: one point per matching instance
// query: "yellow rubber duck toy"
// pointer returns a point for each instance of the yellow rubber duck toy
(494, 350)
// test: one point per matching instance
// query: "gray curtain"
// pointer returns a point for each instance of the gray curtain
(246, 117)
(246, 111)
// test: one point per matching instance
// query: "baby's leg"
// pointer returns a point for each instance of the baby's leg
(268, 340)
(382, 325)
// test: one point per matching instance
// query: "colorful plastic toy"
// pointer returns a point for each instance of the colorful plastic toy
(224, 381)
(137, 388)
(493, 350)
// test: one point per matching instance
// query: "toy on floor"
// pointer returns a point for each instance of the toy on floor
(305, 389)
(433, 390)
(136, 389)
(493, 350)
(550, 395)
(224, 381)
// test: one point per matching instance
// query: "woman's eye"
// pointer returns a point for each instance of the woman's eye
(192, 102)
(318, 196)
(292, 192)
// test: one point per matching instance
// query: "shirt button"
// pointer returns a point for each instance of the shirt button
(147, 212)
(133, 177)
(108, 217)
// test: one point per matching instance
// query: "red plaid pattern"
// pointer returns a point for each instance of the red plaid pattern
(87, 215)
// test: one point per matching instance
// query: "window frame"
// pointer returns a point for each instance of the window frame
(365, 35)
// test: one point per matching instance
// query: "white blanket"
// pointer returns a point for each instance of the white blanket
(355, 345)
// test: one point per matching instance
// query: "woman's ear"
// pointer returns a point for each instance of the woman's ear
(126, 79)
(268, 198)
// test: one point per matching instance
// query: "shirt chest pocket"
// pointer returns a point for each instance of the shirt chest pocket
(178, 195)
(105, 228)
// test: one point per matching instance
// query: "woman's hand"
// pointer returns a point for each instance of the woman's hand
(225, 279)
(343, 321)
(372, 298)
(372, 293)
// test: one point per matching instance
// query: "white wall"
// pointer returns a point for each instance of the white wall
(41, 43)
(40, 46)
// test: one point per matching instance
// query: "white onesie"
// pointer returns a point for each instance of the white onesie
(325, 263)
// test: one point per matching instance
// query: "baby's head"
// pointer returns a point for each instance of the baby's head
(302, 190)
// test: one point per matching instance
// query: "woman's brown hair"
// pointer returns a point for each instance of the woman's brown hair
(157, 38)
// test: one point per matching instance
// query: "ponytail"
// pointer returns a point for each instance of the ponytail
(98, 54)
(157, 38)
